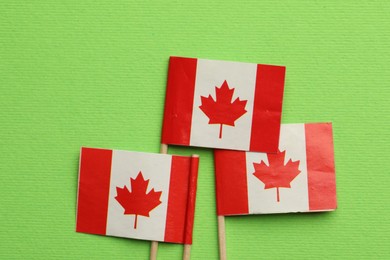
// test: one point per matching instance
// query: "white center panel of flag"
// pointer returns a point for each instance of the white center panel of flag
(155, 168)
(294, 199)
(239, 76)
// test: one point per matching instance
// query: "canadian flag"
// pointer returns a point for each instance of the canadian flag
(137, 195)
(299, 178)
(222, 104)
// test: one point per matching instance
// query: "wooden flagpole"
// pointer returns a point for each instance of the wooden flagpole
(153, 250)
(164, 148)
(221, 238)
(187, 252)
(190, 207)
(154, 245)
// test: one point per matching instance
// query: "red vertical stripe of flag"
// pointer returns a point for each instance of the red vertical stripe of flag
(179, 101)
(177, 199)
(266, 111)
(320, 167)
(191, 198)
(94, 187)
(231, 182)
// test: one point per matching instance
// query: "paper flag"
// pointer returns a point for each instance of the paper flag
(137, 195)
(299, 178)
(222, 104)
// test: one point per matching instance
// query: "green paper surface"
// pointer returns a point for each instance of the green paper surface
(93, 73)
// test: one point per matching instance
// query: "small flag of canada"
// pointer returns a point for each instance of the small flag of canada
(299, 178)
(223, 104)
(137, 195)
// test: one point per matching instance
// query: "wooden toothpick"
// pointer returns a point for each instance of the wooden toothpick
(187, 252)
(221, 238)
(190, 207)
(153, 250)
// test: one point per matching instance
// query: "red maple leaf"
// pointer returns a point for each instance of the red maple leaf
(277, 174)
(221, 110)
(137, 202)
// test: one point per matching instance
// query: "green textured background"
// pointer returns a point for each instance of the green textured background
(93, 73)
